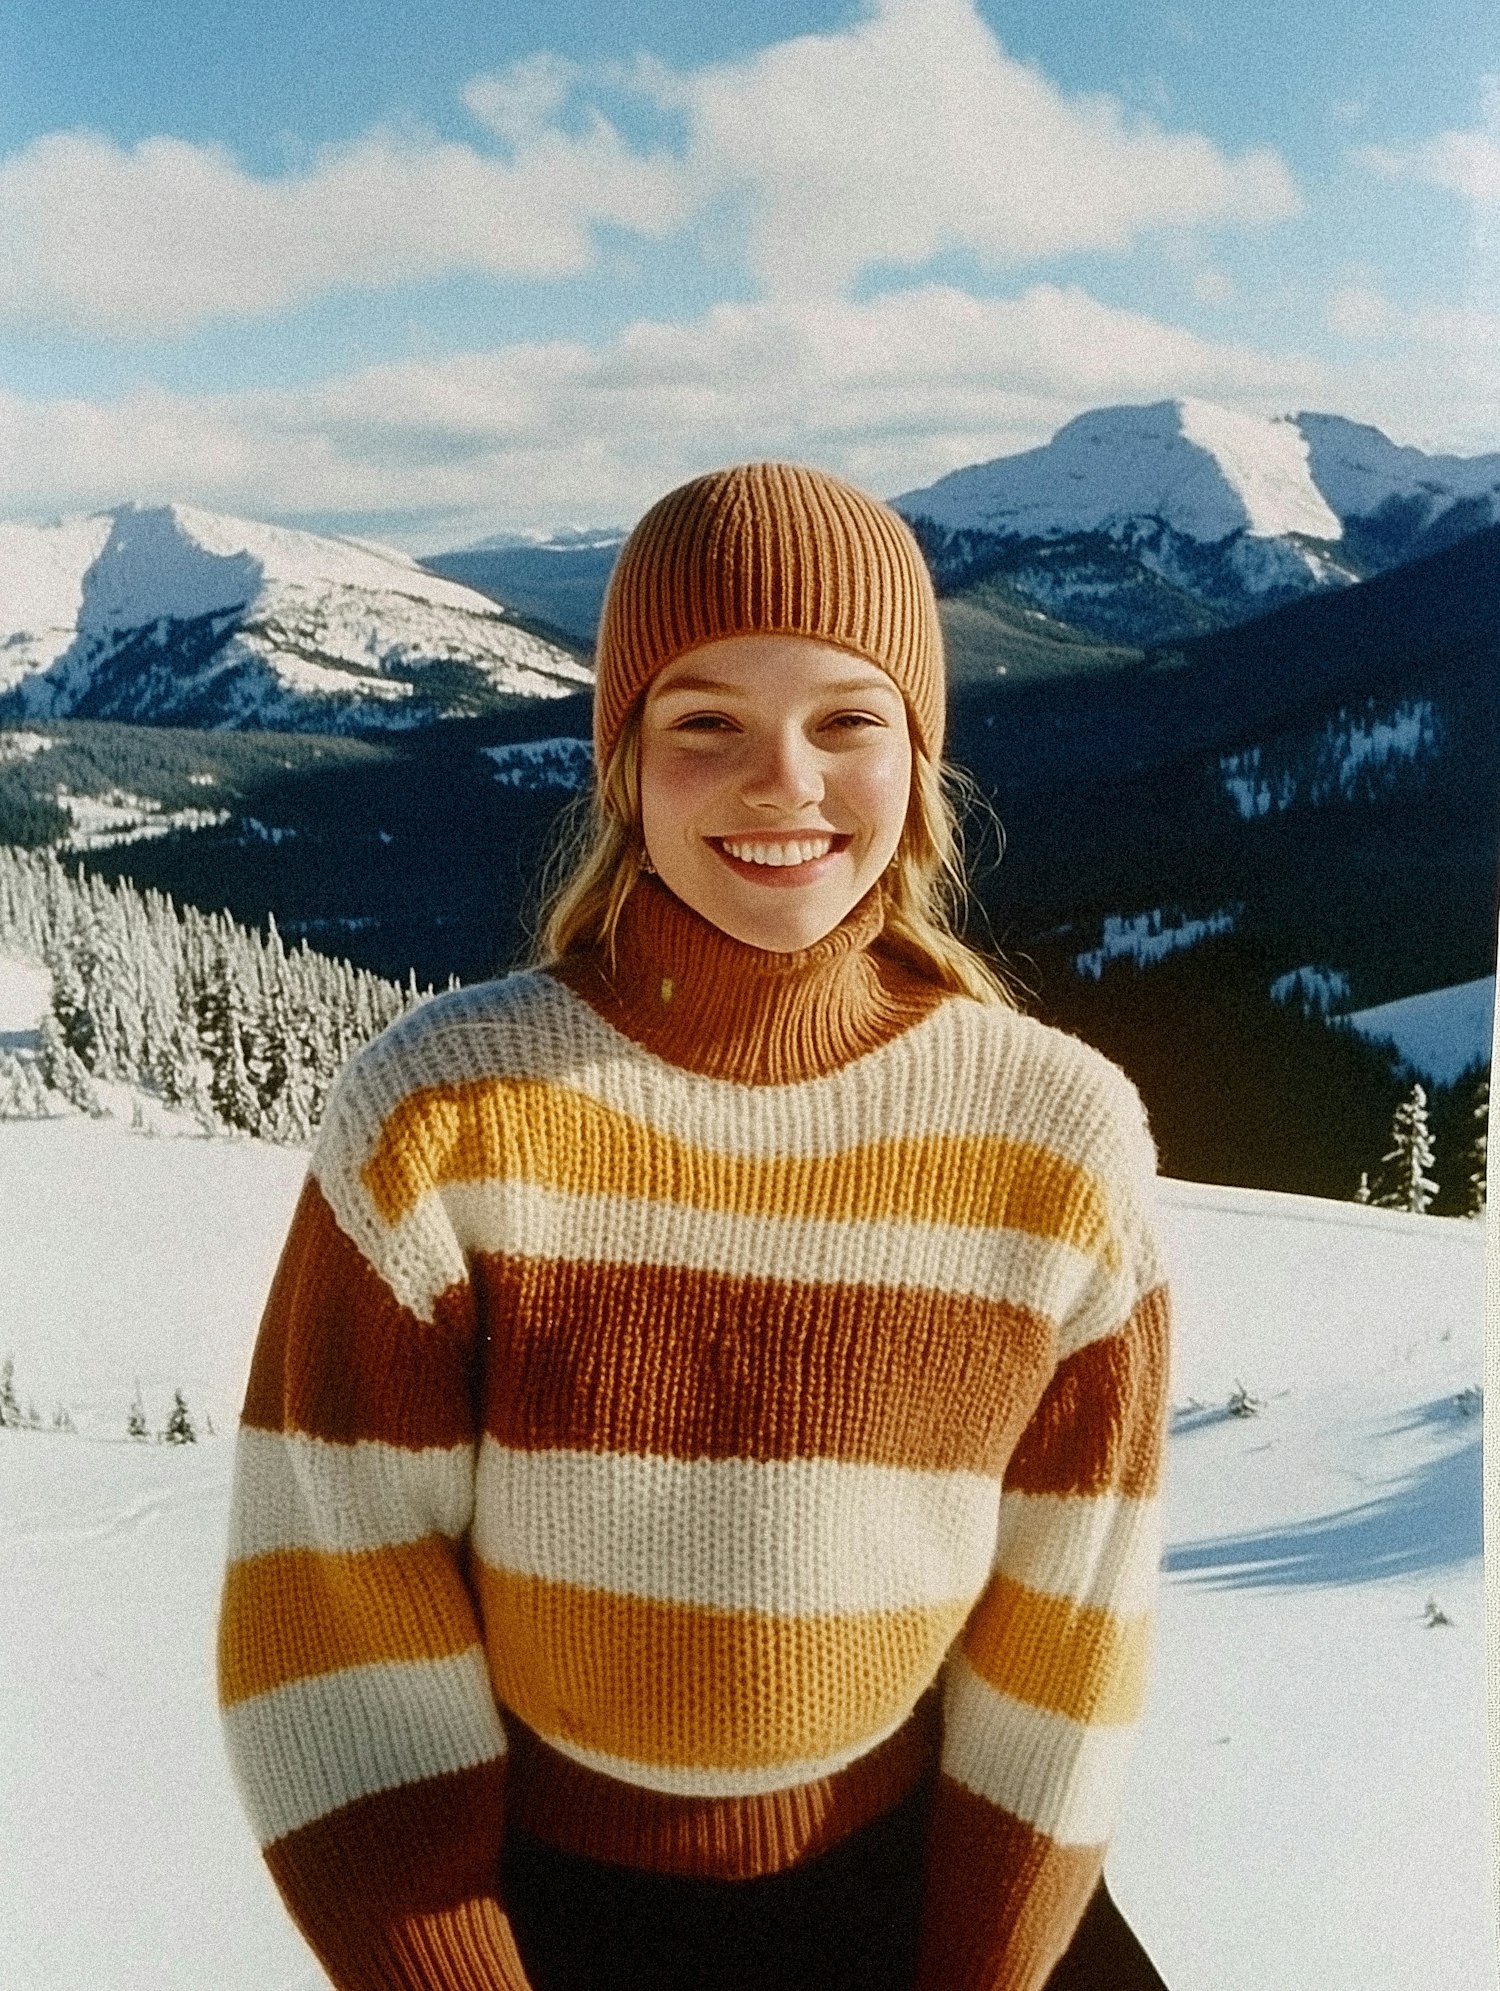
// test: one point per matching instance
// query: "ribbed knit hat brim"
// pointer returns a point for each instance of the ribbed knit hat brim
(769, 549)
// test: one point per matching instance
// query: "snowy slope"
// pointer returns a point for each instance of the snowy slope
(1360, 471)
(1307, 1808)
(1131, 521)
(170, 614)
(1441, 1034)
(42, 569)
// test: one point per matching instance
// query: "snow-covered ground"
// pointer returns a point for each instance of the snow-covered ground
(1307, 1809)
(1150, 936)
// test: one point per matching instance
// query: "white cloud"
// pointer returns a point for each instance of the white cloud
(1363, 311)
(1466, 163)
(1437, 364)
(888, 142)
(520, 102)
(913, 132)
(160, 237)
(892, 391)
(1214, 287)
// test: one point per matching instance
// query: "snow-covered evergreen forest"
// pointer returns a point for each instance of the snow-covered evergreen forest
(228, 1023)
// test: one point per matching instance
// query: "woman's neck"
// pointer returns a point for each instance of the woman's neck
(689, 992)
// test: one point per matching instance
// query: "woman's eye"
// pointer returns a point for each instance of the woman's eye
(703, 722)
(854, 721)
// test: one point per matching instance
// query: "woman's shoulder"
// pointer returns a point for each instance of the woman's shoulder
(516, 1025)
(1038, 1082)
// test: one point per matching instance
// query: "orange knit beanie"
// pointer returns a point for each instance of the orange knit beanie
(769, 549)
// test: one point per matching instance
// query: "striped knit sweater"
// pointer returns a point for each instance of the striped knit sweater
(694, 1403)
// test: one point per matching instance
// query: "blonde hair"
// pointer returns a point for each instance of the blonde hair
(597, 858)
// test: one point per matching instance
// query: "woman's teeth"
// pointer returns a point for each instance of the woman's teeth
(802, 851)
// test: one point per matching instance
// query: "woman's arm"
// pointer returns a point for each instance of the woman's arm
(357, 1707)
(1044, 1689)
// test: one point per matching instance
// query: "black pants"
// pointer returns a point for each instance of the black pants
(844, 1921)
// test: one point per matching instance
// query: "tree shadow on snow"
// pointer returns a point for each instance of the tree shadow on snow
(1432, 1519)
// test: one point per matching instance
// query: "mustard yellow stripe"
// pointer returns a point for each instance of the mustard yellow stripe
(301, 1612)
(677, 1684)
(1073, 1659)
(551, 1135)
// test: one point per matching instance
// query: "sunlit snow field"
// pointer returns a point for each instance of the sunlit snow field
(1307, 1810)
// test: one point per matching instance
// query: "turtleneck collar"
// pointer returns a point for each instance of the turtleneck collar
(689, 992)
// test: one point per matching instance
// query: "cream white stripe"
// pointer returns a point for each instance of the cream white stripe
(679, 1780)
(417, 1259)
(1062, 1776)
(297, 1492)
(791, 1538)
(537, 1222)
(1102, 1551)
(302, 1750)
(963, 1070)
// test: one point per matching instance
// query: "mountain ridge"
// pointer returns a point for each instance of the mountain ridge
(1143, 524)
(170, 614)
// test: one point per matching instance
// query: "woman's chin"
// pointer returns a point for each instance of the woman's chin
(778, 912)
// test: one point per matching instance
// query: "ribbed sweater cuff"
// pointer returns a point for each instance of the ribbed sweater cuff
(578, 1811)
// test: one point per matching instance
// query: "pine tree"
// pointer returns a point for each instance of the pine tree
(23, 1096)
(213, 1016)
(135, 1420)
(1404, 1181)
(1363, 1193)
(10, 1403)
(180, 1428)
(1479, 1150)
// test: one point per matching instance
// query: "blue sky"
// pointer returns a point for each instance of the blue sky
(430, 273)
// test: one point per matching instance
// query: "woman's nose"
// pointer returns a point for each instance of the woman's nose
(783, 772)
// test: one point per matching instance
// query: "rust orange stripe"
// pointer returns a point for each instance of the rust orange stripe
(667, 1361)
(301, 1612)
(1070, 1658)
(400, 1848)
(1002, 1899)
(338, 1357)
(671, 1683)
(538, 1132)
(1099, 1426)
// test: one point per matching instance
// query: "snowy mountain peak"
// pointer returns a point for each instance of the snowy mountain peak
(1266, 463)
(1200, 469)
(1144, 524)
(171, 614)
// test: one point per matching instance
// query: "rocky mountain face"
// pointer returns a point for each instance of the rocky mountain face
(173, 616)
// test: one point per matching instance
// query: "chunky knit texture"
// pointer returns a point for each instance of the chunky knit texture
(683, 1462)
(769, 549)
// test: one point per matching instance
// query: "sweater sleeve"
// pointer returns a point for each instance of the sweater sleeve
(1043, 1691)
(357, 1709)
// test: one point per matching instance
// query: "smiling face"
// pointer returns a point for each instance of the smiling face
(775, 773)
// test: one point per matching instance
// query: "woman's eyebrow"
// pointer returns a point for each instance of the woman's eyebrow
(845, 687)
(693, 684)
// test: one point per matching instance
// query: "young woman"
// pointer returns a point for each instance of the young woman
(695, 1510)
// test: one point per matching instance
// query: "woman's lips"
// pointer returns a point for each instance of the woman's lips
(786, 860)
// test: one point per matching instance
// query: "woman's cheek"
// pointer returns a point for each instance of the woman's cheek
(880, 790)
(677, 781)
